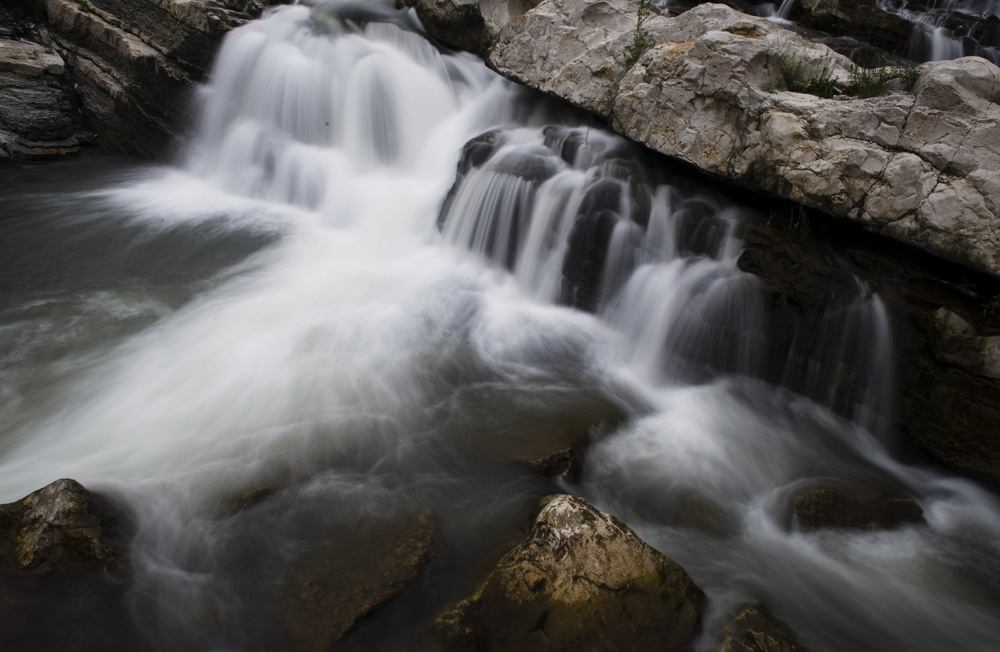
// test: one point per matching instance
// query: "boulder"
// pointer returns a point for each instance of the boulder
(834, 508)
(351, 575)
(581, 580)
(64, 570)
(755, 629)
(62, 528)
(922, 168)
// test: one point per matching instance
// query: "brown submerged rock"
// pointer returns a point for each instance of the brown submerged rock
(581, 580)
(350, 576)
(833, 508)
(755, 629)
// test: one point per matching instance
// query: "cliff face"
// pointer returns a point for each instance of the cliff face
(121, 69)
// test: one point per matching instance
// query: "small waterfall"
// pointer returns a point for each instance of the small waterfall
(950, 29)
(316, 308)
(849, 364)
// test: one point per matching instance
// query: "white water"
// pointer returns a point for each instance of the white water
(282, 309)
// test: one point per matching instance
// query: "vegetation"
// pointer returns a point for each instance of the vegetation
(872, 82)
(991, 308)
(798, 224)
(863, 82)
(641, 41)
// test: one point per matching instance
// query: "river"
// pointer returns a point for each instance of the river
(281, 308)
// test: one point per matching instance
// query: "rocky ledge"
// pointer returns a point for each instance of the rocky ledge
(920, 167)
(120, 69)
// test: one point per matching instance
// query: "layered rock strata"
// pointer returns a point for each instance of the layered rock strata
(38, 118)
(122, 70)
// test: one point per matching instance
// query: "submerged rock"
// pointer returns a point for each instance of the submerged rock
(581, 580)
(350, 576)
(755, 629)
(834, 508)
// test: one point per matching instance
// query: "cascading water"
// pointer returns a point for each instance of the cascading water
(949, 29)
(292, 308)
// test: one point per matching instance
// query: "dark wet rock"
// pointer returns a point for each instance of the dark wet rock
(64, 568)
(835, 508)
(351, 575)
(699, 231)
(583, 266)
(755, 629)
(955, 416)
(580, 581)
(947, 353)
(470, 25)
(862, 19)
(62, 528)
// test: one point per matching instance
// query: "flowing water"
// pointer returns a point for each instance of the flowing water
(305, 303)
(949, 29)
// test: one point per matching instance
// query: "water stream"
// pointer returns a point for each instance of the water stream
(304, 302)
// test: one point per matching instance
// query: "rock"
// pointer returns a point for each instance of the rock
(581, 580)
(38, 117)
(923, 169)
(861, 19)
(955, 416)
(946, 352)
(133, 62)
(470, 25)
(835, 508)
(350, 576)
(755, 629)
(62, 528)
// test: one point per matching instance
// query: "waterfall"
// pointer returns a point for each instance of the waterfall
(382, 279)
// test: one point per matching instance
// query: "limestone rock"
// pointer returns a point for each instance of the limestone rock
(581, 580)
(755, 629)
(835, 508)
(350, 576)
(61, 527)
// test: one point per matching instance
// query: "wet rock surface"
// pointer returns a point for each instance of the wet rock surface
(61, 528)
(581, 580)
(755, 629)
(64, 568)
(835, 508)
(944, 346)
(350, 576)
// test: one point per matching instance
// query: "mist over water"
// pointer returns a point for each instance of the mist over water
(305, 304)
